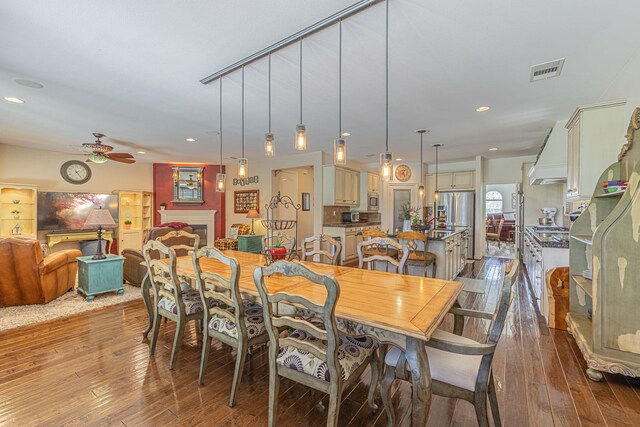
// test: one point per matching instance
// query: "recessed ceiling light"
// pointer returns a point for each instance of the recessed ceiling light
(345, 134)
(13, 99)
(142, 152)
(399, 159)
(482, 109)
(493, 149)
(29, 83)
(191, 140)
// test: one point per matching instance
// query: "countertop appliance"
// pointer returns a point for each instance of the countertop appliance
(548, 217)
(459, 207)
(350, 216)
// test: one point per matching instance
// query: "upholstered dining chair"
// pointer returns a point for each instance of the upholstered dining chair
(460, 367)
(312, 246)
(375, 250)
(417, 244)
(314, 353)
(174, 300)
(236, 322)
(495, 236)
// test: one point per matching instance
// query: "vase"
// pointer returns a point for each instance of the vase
(406, 225)
(162, 208)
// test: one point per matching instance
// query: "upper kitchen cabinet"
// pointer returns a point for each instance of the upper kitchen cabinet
(453, 181)
(369, 192)
(595, 134)
(341, 186)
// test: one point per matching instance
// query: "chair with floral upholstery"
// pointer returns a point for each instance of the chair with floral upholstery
(236, 322)
(313, 353)
(175, 300)
(230, 243)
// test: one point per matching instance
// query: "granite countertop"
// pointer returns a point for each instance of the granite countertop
(445, 233)
(550, 237)
(352, 224)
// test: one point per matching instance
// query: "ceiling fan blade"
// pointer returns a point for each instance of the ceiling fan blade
(119, 155)
(122, 160)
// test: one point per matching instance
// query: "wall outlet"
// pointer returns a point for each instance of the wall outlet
(334, 212)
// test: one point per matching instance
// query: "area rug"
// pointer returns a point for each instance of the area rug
(68, 304)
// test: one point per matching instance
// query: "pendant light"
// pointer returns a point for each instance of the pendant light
(243, 163)
(269, 144)
(340, 144)
(386, 158)
(436, 194)
(301, 131)
(421, 187)
(220, 176)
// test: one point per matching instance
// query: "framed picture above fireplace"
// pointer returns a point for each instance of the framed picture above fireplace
(245, 200)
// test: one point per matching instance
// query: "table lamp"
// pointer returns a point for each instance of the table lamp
(253, 214)
(99, 217)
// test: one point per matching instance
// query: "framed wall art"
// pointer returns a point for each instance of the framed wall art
(245, 200)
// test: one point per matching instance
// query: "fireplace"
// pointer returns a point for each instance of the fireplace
(200, 230)
(201, 221)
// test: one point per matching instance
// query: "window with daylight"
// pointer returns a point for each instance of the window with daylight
(494, 202)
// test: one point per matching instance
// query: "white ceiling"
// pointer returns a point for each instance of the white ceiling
(131, 70)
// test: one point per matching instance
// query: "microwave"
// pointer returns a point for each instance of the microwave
(373, 200)
(350, 216)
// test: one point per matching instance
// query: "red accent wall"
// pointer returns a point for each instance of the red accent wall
(163, 192)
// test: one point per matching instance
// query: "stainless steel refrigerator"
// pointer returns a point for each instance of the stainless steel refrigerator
(460, 210)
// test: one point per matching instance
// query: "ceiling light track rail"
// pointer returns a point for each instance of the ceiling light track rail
(294, 38)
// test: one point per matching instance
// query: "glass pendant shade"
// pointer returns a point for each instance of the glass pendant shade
(243, 168)
(436, 195)
(340, 151)
(98, 158)
(269, 146)
(220, 181)
(301, 138)
(386, 166)
(421, 191)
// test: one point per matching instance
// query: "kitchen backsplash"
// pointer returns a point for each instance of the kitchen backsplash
(333, 215)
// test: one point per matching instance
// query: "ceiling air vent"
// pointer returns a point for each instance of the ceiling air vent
(546, 70)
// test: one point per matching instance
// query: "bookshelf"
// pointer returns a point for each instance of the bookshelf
(136, 207)
(18, 211)
(605, 240)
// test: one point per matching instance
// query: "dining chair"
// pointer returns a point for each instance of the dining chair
(312, 246)
(175, 300)
(417, 244)
(314, 353)
(370, 234)
(495, 236)
(460, 367)
(375, 249)
(236, 322)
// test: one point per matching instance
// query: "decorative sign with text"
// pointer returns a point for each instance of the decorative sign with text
(245, 181)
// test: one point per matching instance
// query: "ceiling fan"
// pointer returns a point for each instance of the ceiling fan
(100, 153)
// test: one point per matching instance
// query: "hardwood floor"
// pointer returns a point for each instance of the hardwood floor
(94, 369)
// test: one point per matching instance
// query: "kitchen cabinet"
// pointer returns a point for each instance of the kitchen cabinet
(448, 181)
(349, 236)
(369, 183)
(595, 135)
(373, 182)
(449, 249)
(341, 186)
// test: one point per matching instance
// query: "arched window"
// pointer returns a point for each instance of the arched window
(494, 202)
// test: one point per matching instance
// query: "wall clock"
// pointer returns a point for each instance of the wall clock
(75, 172)
(403, 173)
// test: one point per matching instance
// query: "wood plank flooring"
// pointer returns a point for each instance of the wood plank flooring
(94, 369)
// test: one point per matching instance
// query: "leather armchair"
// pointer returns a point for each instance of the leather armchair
(134, 272)
(26, 277)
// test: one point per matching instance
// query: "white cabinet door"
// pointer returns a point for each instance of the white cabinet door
(573, 159)
(373, 182)
(129, 239)
(445, 181)
(340, 188)
(350, 245)
(463, 180)
(355, 187)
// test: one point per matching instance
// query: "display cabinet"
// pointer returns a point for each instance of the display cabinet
(135, 218)
(18, 210)
(604, 272)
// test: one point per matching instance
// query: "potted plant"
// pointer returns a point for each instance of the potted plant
(163, 206)
(127, 224)
(16, 214)
(277, 251)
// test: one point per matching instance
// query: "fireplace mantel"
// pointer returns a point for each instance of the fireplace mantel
(191, 217)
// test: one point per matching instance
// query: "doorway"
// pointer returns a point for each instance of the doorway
(401, 197)
(500, 207)
(396, 195)
(294, 182)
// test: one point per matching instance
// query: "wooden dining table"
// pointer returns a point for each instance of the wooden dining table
(396, 309)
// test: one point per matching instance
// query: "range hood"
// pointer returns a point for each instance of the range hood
(551, 164)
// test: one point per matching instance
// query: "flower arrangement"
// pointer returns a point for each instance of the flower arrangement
(410, 213)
